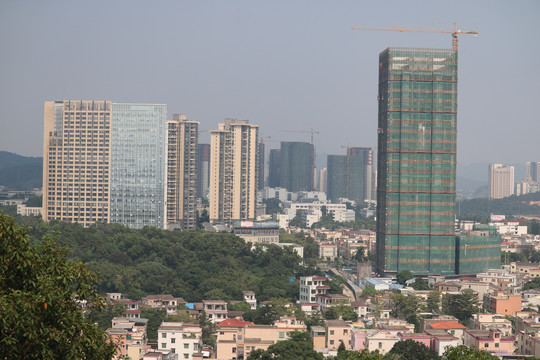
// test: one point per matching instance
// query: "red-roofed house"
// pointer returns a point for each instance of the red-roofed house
(451, 327)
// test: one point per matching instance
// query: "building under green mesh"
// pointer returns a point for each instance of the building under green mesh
(416, 186)
(478, 250)
(336, 166)
(296, 168)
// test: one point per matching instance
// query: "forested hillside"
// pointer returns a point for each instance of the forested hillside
(20, 172)
(512, 205)
(193, 265)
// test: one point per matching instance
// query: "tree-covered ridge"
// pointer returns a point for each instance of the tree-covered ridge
(512, 205)
(20, 172)
(185, 264)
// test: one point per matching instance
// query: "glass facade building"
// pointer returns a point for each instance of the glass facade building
(138, 151)
(297, 164)
(416, 182)
(274, 164)
(359, 173)
(336, 166)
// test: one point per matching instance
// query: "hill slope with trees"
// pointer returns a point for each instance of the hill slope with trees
(20, 172)
(193, 265)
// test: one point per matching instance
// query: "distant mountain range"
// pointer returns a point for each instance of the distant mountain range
(20, 172)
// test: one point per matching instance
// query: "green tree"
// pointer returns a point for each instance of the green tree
(39, 293)
(404, 306)
(155, 318)
(361, 255)
(208, 329)
(273, 206)
(203, 217)
(420, 284)
(403, 276)
(434, 301)
(462, 306)
(298, 347)
(370, 291)
(463, 352)
(412, 350)
(297, 220)
(344, 312)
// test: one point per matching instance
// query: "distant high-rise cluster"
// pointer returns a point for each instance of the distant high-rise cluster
(533, 171)
(127, 164)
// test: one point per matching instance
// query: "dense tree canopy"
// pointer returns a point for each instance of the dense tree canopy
(39, 293)
(412, 350)
(187, 264)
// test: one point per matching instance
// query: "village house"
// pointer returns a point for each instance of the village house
(180, 338)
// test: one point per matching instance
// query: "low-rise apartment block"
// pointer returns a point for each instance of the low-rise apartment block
(180, 338)
(310, 286)
(216, 310)
(491, 341)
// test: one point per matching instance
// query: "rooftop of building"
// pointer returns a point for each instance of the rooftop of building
(234, 323)
(447, 325)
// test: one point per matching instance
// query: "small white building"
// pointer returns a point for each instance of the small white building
(249, 297)
(180, 338)
(216, 310)
(310, 286)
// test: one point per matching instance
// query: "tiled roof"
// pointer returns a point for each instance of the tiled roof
(234, 323)
(447, 325)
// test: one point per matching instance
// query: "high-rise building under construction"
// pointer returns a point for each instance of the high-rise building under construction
(416, 186)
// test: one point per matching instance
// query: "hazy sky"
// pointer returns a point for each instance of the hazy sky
(284, 65)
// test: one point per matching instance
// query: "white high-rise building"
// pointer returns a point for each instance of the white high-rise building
(501, 181)
(182, 173)
(233, 171)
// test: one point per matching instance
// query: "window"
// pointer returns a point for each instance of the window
(331, 332)
(233, 349)
(331, 342)
(486, 345)
(186, 346)
(281, 335)
(186, 356)
(163, 335)
(380, 345)
(163, 345)
(173, 340)
(496, 345)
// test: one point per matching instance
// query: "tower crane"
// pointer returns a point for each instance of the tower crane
(304, 131)
(454, 32)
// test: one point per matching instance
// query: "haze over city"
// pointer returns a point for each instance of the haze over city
(282, 65)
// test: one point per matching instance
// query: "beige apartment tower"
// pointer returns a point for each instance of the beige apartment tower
(501, 181)
(233, 171)
(76, 166)
(182, 142)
